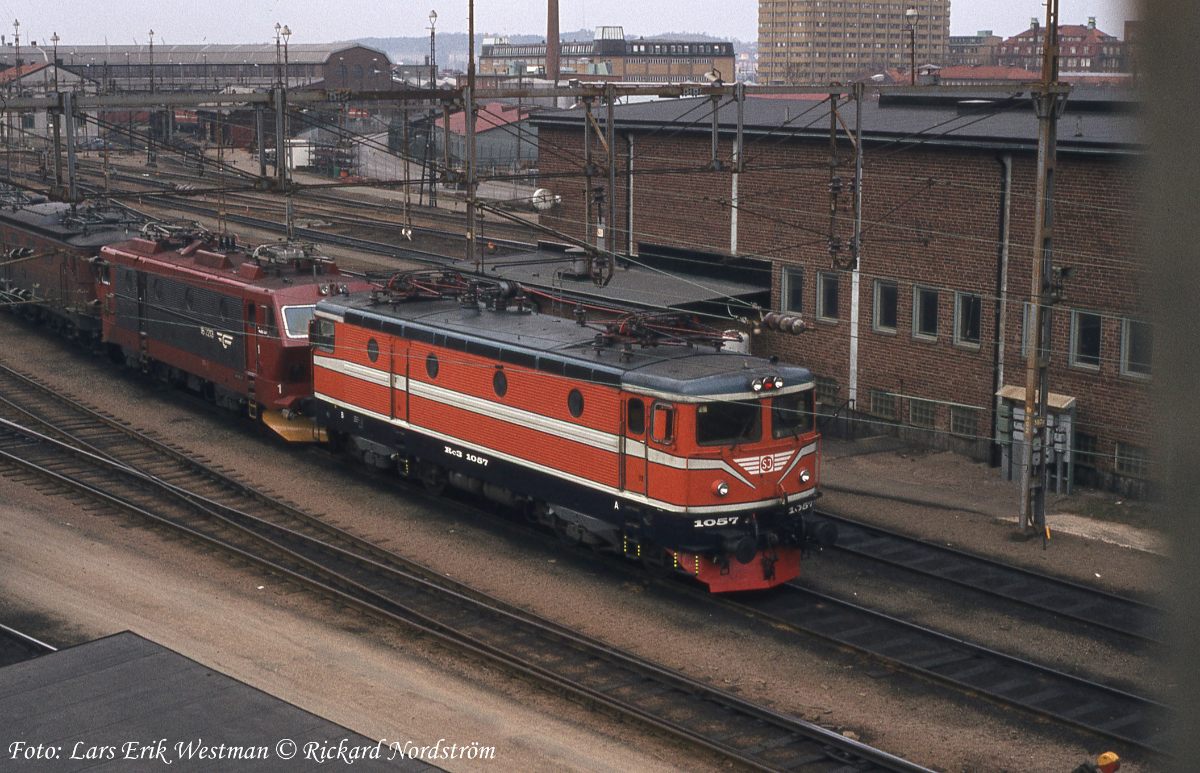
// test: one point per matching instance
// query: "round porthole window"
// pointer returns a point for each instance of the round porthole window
(431, 365)
(575, 403)
(500, 383)
(373, 350)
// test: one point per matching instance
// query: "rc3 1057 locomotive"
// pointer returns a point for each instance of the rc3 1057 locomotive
(639, 436)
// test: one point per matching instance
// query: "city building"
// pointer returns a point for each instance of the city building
(941, 296)
(976, 50)
(826, 41)
(1080, 49)
(610, 56)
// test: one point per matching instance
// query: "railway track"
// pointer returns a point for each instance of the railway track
(1072, 700)
(1042, 592)
(112, 463)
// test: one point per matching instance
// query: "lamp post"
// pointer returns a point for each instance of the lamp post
(54, 41)
(432, 50)
(287, 33)
(910, 16)
(151, 157)
(278, 56)
(54, 120)
(151, 61)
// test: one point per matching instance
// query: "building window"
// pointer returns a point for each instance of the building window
(1085, 340)
(827, 391)
(883, 404)
(1132, 460)
(792, 290)
(1136, 344)
(884, 318)
(925, 313)
(921, 413)
(964, 421)
(827, 296)
(968, 309)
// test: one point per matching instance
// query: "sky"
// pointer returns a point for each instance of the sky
(124, 22)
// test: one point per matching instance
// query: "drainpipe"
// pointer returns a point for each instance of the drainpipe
(1001, 312)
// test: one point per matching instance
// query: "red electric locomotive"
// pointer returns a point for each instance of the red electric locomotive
(701, 459)
(198, 311)
(46, 254)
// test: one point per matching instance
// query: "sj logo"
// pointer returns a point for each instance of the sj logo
(761, 465)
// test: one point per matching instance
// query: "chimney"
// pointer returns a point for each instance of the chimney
(1091, 22)
(1033, 23)
(552, 44)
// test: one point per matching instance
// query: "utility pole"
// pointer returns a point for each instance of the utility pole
(1047, 102)
(473, 256)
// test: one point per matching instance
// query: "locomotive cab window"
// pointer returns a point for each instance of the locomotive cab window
(296, 319)
(792, 415)
(662, 424)
(321, 334)
(635, 418)
(728, 423)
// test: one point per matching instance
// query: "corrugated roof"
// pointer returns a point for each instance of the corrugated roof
(249, 53)
(1107, 119)
(125, 688)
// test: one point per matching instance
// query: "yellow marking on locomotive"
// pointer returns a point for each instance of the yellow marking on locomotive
(297, 429)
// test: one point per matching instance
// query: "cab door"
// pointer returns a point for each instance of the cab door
(661, 479)
(253, 310)
(633, 445)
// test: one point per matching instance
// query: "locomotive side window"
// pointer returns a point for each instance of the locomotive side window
(373, 350)
(792, 415)
(635, 417)
(321, 334)
(575, 403)
(431, 365)
(662, 425)
(728, 423)
(500, 383)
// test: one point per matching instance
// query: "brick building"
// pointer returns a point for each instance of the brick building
(610, 56)
(1080, 49)
(975, 50)
(948, 210)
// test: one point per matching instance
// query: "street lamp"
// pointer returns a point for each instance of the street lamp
(287, 33)
(432, 50)
(910, 16)
(54, 40)
(151, 61)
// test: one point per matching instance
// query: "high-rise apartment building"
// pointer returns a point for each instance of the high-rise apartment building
(822, 41)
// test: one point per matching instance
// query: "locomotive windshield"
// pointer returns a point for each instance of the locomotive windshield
(792, 415)
(296, 319)
(728, 423)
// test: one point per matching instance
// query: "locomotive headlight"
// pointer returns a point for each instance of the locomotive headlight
(757, 385)
(721, 488)
(778, 382)
(805, 476)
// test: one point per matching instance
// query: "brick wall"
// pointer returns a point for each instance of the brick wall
(931, 218)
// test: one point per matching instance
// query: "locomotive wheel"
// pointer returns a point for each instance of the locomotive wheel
(568, 533)
(432, 477)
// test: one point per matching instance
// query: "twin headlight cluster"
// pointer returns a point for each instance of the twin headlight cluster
(721, 488)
